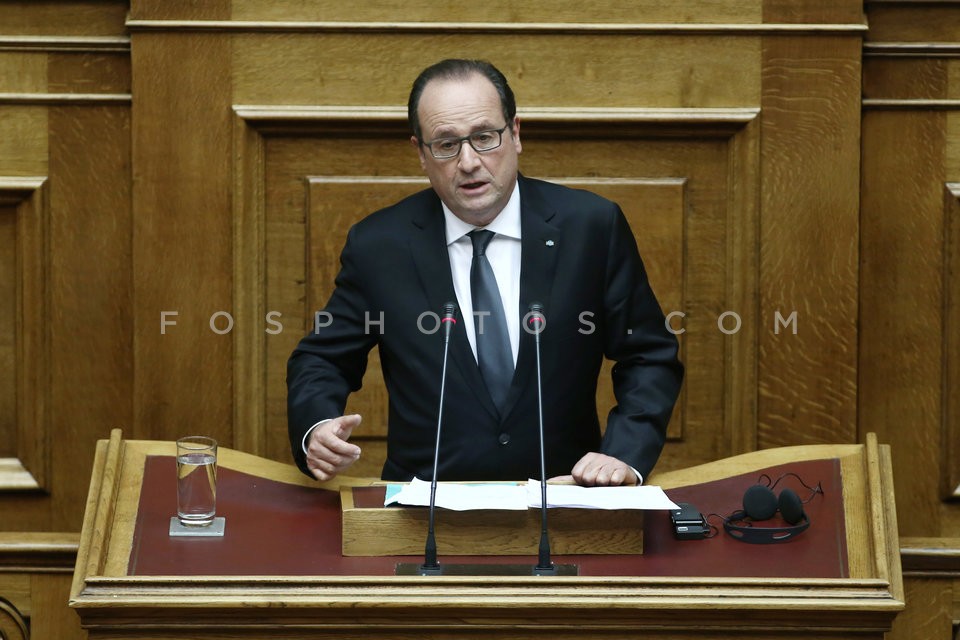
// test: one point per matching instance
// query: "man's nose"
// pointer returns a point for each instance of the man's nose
(469, 158)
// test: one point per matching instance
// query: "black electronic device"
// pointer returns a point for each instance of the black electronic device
(688, 522)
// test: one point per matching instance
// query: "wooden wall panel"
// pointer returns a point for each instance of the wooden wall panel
(809, 251)
(46, 18)
(499, 11)
(182, 254)
(27, 465)
(91, 298)
(908, 289)
(691, 245)
(65, 202)
(812, 12)
(23, 133)
(900, 295)
(179, 10)
(652, 71)
(906, 22)
(64, 162)
(50, 320)
(907, 284)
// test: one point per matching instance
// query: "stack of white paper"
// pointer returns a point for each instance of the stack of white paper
(517, 497)
(569, 495)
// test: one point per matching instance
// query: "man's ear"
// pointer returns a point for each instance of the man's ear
(516, 134)
(419, 147)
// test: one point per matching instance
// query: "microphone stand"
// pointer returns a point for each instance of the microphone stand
(544, 565)
(430, 566)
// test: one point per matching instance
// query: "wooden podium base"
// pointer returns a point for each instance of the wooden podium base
(372, 530)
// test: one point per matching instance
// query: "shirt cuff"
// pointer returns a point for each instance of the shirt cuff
(303, 443)
(639, 476)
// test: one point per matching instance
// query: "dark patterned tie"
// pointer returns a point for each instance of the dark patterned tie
(494, 354)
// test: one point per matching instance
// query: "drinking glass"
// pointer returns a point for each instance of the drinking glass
(196, 481)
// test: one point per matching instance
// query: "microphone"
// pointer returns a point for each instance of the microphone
(544, 566)
(430, 566)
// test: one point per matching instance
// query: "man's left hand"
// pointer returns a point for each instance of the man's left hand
(599, 470)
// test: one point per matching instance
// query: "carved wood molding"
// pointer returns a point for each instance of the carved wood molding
(931, 557)
(74, 44)
(911, 50)
(38, 552)
(27, 197)
(867, 3)
(518, 28)
(578, 122)
(65, 98)
(950, 421)
(12, 624)
(908, 104)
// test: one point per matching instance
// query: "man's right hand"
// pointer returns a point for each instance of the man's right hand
(328, 452)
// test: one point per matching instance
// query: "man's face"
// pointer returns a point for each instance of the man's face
(476, 186)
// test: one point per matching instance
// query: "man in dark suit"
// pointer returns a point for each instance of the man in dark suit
(570, 251)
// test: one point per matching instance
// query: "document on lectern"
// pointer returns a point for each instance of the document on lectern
(459, 497)
(577, 497)
(518, 497)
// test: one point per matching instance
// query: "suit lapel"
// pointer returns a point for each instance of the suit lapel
(540, 244)
(428, 250)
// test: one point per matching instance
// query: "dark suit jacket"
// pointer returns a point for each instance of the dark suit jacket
(596, 300)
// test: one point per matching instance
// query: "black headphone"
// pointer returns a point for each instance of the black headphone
(760, 503)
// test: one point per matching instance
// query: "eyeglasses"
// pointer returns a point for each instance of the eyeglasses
(486, 140)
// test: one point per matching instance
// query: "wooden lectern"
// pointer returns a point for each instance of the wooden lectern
(278, 572)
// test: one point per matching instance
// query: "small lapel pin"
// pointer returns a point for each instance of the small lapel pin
(549, 243)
